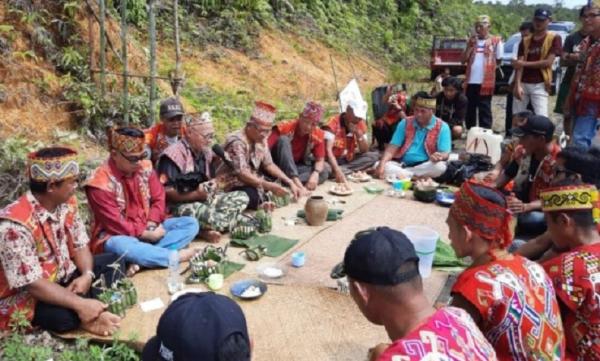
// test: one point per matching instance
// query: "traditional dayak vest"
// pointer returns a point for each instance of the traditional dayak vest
(103, 178)
(546, 46)
(342, 146)
(431, 139)
(489, 65)
(157, 140)
(288, 128)
(21, 212)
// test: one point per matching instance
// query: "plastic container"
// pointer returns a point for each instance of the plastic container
(298, 259)
(484, 141)
(424, 240)
(174, 279)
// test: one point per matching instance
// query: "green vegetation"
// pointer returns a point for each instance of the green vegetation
(16, 347)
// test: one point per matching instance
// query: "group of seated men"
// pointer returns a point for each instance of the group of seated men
(144, 210)
(161, 188)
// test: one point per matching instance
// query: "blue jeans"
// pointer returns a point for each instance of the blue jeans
(179, 232)
(584, 130)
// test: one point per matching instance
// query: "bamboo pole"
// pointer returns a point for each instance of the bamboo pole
(102, 48)
(124, 55)
(152, 31)
(337, 88)
(108, 41)
(177, 80)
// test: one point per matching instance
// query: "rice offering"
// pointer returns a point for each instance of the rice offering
(250, 292)
(272, 272)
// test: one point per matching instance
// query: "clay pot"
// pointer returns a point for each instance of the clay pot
(316, 210)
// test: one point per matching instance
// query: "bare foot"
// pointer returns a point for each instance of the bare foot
(105, 325)
(132, 269)
(186, 254)
(210, 235)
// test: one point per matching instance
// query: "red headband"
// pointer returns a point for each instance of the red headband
(486, 219)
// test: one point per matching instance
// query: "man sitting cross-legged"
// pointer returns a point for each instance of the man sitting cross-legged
(420, 145)
(47, 267)
(249, 159)
(128, 203)
(510, 298)
(382, 269)
(191, 160)
(572, 215)
(298, 148)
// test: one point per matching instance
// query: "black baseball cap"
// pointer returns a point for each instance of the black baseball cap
(194, 327)
(380, 256)
(542, 14)
(536, 125)
(171, 107)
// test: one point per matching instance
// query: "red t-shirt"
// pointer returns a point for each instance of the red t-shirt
(576, 277)
(299, 144)
(531, 75)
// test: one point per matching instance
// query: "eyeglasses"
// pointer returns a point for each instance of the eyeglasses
(590, 16)
(134, 159)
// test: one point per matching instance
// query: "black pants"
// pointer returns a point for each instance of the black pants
(481, 103)
(60, 319)
(284, 158)
(383, 135)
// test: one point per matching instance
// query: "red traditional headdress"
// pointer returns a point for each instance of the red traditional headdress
(53, 169)
(313, 111)
(488, 220)
(263, 114)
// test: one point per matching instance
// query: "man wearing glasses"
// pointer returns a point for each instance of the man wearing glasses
(168, 131)
(584, 96)
(249, 159)
(128, 203)
(187, 170)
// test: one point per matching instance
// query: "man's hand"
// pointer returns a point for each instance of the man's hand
(437, 157)
(277, 190)
(313, 181)
(518, 92)
(518, 64)
(297, 192)
(515, 205)
(153, 236)
(339, 177)
(89, 309)
(80, 285)
(379, 171)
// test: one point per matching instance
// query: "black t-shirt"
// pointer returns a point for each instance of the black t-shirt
(571, 42)
(511, 171)
(452, 111)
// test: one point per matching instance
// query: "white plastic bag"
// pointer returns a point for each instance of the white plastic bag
(351, 96)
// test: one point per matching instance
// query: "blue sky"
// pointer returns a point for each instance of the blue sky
(566, 3)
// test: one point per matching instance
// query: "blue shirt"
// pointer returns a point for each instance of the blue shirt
(417, 153)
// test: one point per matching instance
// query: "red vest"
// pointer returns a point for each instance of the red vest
(21, 212)
(431, 139)
(343, 145)
(103, 178)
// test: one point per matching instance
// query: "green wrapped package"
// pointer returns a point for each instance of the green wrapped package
(275, 245)
(332, 214)
(445, 257)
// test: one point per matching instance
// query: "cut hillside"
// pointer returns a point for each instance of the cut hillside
(287, 70)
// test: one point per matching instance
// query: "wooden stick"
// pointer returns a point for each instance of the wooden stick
(124, 53)
(152, 31)
(110, 44)
(177, 50)
(102, 47)
(337, 89)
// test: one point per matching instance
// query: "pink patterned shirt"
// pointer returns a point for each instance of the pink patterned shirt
(448, 335)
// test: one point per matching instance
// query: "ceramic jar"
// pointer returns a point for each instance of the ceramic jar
(316, 210)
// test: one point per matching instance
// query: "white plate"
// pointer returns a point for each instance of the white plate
(270, 271)
(332, 190)
(364, 178)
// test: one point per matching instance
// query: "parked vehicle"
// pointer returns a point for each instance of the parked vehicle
(446, 52)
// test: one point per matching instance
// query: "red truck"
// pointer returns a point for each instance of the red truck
(446, 52)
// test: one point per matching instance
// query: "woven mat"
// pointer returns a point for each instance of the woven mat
(303, 319)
